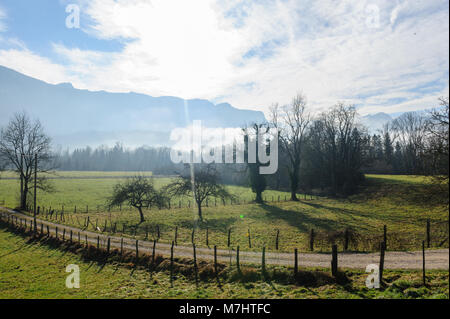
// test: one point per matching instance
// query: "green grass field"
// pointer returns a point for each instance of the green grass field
(35, 270)
(395, 201)
(78, 174)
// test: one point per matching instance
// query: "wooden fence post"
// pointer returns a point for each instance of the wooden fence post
(137, 250)
(71, 236)
(428, 233)
(277, 238)
(153, 251)
(311, 240)
(56, 232)
(346, 239)
(207, 236)
(98, 242)
(237, 259)
(295, 262)
(79, 238)
(215, 264)
(385, 236)
(334, 260)
(108, 246)
(249, 239)
(176, 235)
(381, 266)
(423, 264)
(48, 231)
(263, 261)
(171, 265)
(229, 237)
(195, 265)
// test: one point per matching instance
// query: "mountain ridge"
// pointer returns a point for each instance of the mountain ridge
(68, 111)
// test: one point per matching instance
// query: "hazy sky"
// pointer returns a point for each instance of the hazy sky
(388, 56)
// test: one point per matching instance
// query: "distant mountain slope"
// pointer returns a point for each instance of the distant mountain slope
(375, 122)
(82, 117)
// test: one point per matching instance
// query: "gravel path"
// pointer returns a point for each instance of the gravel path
(435, 259)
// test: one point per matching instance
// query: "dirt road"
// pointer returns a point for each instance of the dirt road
(435, 259)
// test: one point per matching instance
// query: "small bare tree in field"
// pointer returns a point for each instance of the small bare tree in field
(137, 192)
(23, 143)
(203, 183)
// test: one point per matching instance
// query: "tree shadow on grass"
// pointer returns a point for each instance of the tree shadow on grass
(348, 213)
(298, 219)
(14, 251)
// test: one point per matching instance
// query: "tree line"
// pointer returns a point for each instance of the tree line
(327, 152)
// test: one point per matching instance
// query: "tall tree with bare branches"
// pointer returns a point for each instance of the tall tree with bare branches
(292, 122)
(20, 142)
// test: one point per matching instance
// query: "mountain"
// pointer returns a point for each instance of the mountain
(75, 117)
(375, 122)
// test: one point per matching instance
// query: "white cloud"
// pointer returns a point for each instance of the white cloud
(28, 63)
(197, 49)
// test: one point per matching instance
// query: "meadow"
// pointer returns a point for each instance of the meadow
(399, 202)
(34, 269)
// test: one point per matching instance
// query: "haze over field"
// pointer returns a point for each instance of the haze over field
(80, 117)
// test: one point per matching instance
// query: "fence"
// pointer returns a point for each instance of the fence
(435, 233)
(172, 205)
(107, 243)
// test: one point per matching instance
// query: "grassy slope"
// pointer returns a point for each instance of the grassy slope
(395, 201)
(33, 270)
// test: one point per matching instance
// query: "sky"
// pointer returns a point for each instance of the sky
(382, 56)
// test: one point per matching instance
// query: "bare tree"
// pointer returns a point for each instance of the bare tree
(203, 183)
(292, 122)
(437, 147)
(411, 130)
(253, 135)
(438, 124)
(20, 142)
(137, 192)
(338, 146)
